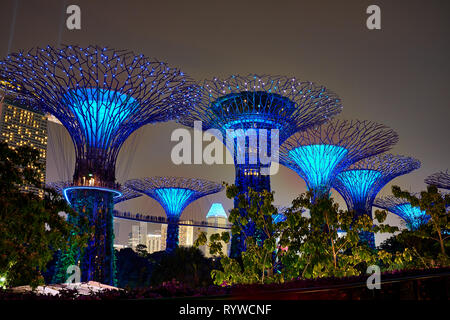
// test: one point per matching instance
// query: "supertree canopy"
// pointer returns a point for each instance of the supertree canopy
(360, 183)
(101, 96)
(414, 217)
(320, 153)
(174, 195)
(245, 109)
(439, 179)
(64, 189)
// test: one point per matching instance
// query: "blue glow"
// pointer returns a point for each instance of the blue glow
(174, 200)
(358, 183)
(216, 210)
(251, 119)
(413, 216)
(100, 112)
(278, 217)
(317, 163)
(115, 192)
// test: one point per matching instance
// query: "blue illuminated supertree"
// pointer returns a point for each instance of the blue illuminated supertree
(412, 216)
(360, 183)
(249, 107)
(254, 115)
(174, 195)
(101, 96)
(320, 153)
(439, 179)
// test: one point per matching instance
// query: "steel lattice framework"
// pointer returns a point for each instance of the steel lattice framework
(101, 96)
(125, 193)
(413, 217)
(251, 103)
(439, 179)
(320, 153)
(174, 194)
(360, 183)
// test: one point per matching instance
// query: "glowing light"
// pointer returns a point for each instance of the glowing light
(413, 216)
(359, 183)
(66, 190)
(278, 217)
(317, 163)
(174, 200)
(216, 211)
(100, 112)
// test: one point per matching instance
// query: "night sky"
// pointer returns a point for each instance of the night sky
(398, 76)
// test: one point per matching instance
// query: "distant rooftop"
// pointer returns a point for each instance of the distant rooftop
(216, 210)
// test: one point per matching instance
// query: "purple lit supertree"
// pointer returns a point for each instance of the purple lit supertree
(439, 179)
(254, 115)
(360, 183)
(101, 96)
(318, 154)
(413, 217)
(174, 194)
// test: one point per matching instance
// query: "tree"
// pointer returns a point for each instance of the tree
(324, 244)
(133, 269)
(327, 243)
(435, 205)
(187, 265)
(31, 228)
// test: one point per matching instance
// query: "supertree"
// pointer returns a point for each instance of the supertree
(252, 116)
(413, 217)
(360, 183)
(101, 96)
(318, 154)
(174, 194)
(439, 179)
(245, 110)
(64, 187)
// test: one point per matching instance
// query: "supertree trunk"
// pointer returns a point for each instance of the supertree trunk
(172, 234)
(97, 263)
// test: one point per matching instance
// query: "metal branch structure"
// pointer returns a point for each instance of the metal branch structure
(413, 217)
(101, 96)
(249, 109)
(360, 183)
(318, 154)
(174, 194)
(439, 179)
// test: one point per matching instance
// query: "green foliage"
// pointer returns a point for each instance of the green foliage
(437, 230)
(30, 227)
(325, 244)
(187, 265)
(133, 268)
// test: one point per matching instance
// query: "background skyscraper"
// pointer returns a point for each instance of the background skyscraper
(20, 126)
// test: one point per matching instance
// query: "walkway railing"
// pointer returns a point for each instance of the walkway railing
(163, 220)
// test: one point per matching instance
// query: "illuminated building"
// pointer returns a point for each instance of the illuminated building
(360, 183)
(318, 154)
(100, 96)
(412, 216)
(174, 195)
(218, 217)
(20, 126)
(154, 242)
